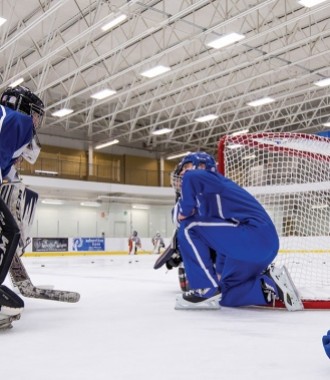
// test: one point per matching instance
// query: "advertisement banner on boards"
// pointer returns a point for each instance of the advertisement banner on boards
(88, 244)
(50, 244)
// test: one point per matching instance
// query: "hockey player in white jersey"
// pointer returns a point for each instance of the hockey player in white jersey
(214, 212)
(21, 113)
(158, 243)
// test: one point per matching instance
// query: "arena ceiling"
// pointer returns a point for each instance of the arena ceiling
(61, 51)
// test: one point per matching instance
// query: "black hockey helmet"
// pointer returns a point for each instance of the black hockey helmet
(23, 100)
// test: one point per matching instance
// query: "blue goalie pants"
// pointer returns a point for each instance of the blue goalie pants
(243, 252)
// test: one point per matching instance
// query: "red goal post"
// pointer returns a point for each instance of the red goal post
(289, 173)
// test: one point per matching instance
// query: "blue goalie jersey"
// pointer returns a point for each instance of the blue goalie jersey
(16, 132)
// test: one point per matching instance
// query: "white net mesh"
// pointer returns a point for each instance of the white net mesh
(290, 175)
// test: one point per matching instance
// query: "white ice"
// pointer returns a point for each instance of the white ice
(125, 328)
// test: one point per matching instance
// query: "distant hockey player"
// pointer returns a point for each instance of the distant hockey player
(21, 113)
(158, 243)
(134, 242)
(214, 212)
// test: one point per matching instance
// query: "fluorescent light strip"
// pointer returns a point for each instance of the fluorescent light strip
(103, 94)
(140, 207)
(261, 102)
(235, 146)
(52, 202)
(17, 82)
(249, 157)
(242, 132)
(161, 131)
(323, 82)
(157, 70)
(90, 204)
(226, 40)
(326, 124)
(114, 22)
(45, 172)
(113, 142)
(310, 3)
(205, 118)
(319, 206)
(62, 112)
(177, 156)
(2, 20)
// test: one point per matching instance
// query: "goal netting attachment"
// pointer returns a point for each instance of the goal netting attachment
(289, 173)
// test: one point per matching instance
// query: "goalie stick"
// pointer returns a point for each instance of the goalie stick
(25, 286)
(22, 202)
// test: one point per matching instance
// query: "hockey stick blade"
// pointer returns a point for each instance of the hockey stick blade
(25, 286)
(28, 290)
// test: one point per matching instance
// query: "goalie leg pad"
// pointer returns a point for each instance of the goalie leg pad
(10, 303)
(21, 202)
(9, 239)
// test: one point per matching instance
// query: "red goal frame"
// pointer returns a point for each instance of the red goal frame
(251, 140)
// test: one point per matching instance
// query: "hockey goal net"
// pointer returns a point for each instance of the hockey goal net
(290, 175)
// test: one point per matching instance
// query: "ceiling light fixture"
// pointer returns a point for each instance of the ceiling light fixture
(225, 40)
(48, 172)
(112, 142)
(157, 70)
(310, 3)
(90, 204)
(242, 132)
(56, 202)
(323, 82)
(16, 82)
(140, 207)
(235, 146)
(2, 20)
(327, 124)
(103, 94)
(177, 155)
(320, 206)
(261, 102)
(205, 118)
(62, 112)
(161, 131)
(114, 22)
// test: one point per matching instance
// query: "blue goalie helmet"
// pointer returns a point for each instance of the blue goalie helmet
(197, 159)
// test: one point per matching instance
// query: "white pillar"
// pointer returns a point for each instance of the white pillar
(161, 169)
(90, 160)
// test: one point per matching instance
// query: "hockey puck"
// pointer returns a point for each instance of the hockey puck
(42, 265)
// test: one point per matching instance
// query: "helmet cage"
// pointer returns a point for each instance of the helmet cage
(21, 99)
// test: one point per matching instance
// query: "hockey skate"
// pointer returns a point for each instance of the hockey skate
(11, 306)
(286, 289)
(200, 299)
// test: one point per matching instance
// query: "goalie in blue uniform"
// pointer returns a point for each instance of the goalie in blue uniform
(214, 212)
(21, 113)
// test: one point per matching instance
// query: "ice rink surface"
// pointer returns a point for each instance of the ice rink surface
(125, 328)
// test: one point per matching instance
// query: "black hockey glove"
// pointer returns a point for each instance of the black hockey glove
(174, 261)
